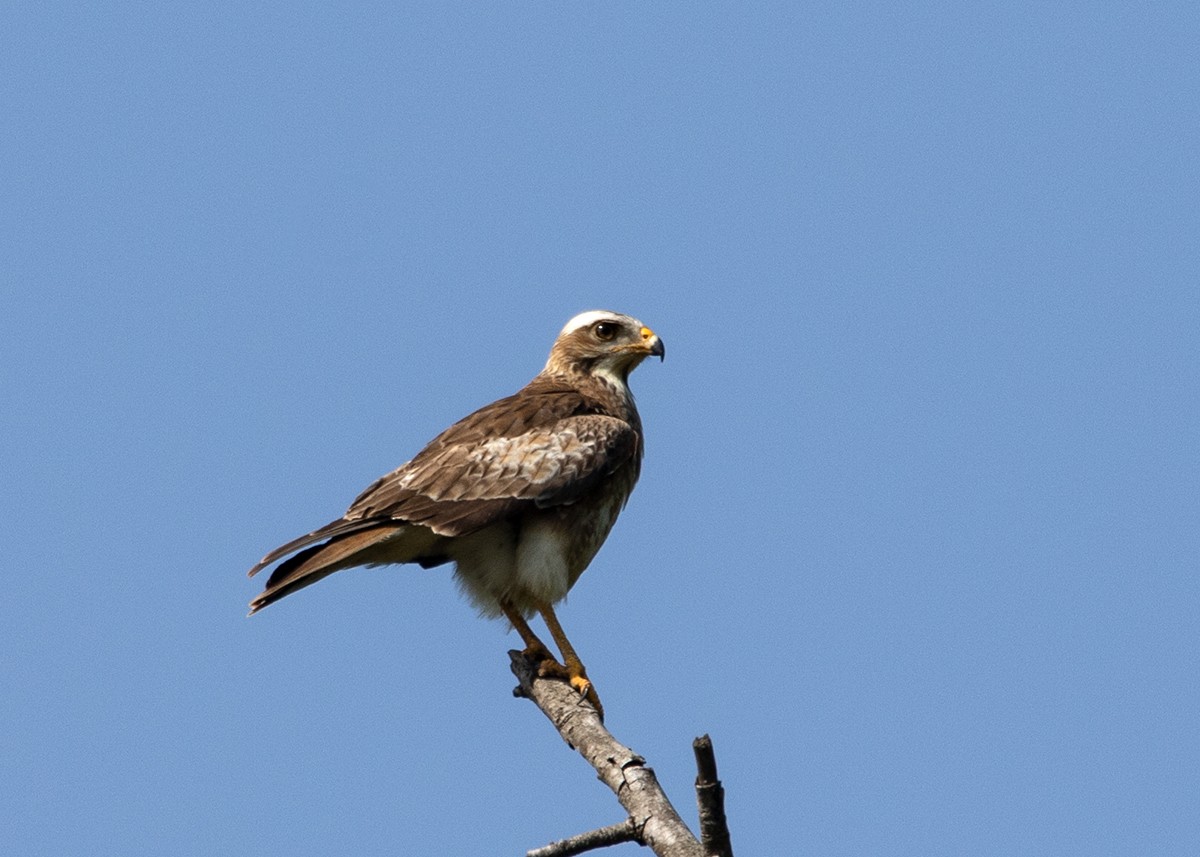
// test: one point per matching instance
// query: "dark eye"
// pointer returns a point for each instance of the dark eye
(605, 330)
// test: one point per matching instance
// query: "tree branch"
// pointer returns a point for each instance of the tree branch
(710, 797)
(614, 834)
(619, 768)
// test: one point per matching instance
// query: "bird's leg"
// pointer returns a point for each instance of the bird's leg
(547, 667)
(576, 674)
(535, 649)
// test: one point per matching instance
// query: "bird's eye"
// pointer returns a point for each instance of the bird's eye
(605, 330)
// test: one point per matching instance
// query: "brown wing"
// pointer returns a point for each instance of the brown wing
(467, 479)
(542, 447)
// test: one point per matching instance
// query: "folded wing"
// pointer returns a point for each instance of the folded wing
(486, 469)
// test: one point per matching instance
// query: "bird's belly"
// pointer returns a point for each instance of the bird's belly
(525, 564)
(536, 558)
(534, 562)
(485, 566)
(554, 548)
(543, 556)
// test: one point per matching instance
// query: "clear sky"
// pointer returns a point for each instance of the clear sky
(916, 537)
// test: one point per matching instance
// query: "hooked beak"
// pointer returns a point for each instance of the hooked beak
(653, 344)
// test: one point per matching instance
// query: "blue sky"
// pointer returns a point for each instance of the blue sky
(916, 538)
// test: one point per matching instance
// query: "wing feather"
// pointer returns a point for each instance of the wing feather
(542, 447)
(462, 487)
(546, 446)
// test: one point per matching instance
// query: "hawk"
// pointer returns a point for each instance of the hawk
(520, 495)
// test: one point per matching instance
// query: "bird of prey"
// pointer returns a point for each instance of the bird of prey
(520, 495)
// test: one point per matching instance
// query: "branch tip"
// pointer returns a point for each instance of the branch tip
(710, 800)
(603, 837)
(706, 760)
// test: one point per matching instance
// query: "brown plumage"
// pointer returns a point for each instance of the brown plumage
(520, 495)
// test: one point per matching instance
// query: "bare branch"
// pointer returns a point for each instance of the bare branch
(710, 796)
(619, 768)
(603, 837)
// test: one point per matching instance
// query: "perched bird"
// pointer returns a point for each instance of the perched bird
(520, 495)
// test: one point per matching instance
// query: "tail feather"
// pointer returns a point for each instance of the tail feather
(358, 547)
(340, 527)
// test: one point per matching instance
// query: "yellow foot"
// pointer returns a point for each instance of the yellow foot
(587, 690)
(573, 674)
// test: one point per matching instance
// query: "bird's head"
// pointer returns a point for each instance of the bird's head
(605, 344)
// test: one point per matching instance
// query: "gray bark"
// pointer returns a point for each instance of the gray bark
(651, 815)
